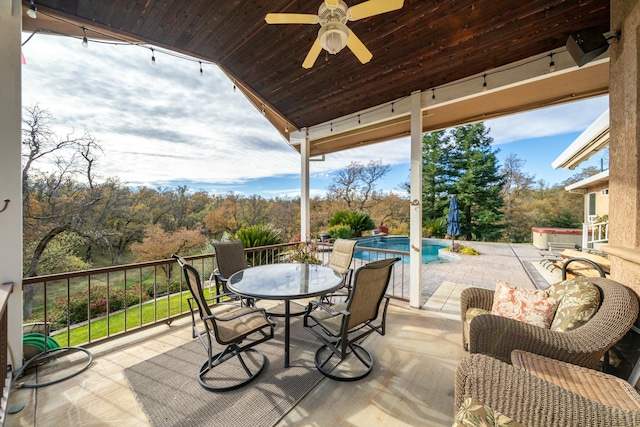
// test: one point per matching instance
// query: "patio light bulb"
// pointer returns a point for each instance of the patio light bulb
(200, 68)
(484, 85)
(433, 96)
(31, 13)
(153, 58)
(552, 65)
(85, 42)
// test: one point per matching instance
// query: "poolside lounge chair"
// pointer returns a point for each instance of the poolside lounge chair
(229, 329)
(342, 326)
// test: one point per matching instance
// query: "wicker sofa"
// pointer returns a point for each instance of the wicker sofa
(498, 336)
(545, 392)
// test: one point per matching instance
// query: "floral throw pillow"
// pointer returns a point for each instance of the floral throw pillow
(473, 413)
(531, 306)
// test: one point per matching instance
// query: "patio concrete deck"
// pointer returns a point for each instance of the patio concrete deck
(411, 384)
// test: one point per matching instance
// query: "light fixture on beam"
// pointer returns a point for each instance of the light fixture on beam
(31, 13)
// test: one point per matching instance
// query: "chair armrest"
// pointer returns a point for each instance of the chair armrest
(531, 400)
(328, 309)
(498, 336)
(475, 298)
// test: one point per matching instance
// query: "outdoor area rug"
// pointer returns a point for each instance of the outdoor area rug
(167, 385)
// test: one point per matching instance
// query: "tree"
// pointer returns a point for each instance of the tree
(478, 183)
(160, 244)
(435, 174)
(59, 198)
(460, 161)
(55, 201)
(516, 192)
(355, 185)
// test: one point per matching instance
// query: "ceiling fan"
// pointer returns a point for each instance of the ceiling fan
(334, 34)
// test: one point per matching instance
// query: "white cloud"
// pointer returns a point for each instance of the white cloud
(558, 120)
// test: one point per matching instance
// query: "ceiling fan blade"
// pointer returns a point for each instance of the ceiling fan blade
(373, 7)
(291, 18)
(313, 54)
(358, 48)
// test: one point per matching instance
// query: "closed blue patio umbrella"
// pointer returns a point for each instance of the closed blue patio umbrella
(453, 229)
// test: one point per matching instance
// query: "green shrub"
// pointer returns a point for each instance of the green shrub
(258, 235)
(358, 221)
(341, 232)
(435, 228)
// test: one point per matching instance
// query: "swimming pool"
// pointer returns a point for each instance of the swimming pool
(401, 244)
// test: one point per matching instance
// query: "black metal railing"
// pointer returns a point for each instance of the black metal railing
(83, 308)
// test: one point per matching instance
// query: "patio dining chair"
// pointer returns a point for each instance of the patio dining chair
(230, 258)
(229, 329)
(340, 259)
(340, 262)
(341, 327)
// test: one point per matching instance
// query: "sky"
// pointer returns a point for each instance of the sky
(166, 125)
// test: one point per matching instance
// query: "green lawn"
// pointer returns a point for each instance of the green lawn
(163, 308)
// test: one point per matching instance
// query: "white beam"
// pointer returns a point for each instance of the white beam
(305, 209)
(415, 219)
(10, 161)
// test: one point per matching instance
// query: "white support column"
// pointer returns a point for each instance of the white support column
(305, 208)
(10, 168)
(415, 219)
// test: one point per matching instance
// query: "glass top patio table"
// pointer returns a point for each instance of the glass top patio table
(285, 282)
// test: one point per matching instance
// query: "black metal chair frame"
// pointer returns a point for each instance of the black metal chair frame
(232, 348)
(346, 341)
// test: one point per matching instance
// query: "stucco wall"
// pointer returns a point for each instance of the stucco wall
(624, 144)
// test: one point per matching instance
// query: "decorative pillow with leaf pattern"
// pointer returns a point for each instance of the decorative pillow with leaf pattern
(578, 302)
(473, 413)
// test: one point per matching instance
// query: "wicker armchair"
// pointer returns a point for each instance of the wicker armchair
(532, 401)
(497, 336)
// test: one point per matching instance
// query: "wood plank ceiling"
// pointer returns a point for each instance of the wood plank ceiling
(425, 44)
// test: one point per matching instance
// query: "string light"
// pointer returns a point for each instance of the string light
(85, 42)
(433, 95)
(264, 113)
(552, 65)
(153, 57)
(392, 109)
(200, 68)
(358, 118)
(484, 85)
(286, 129)
(31, 13)
(234, 85)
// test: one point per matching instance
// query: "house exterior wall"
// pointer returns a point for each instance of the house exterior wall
(624, 144)
(602, 201)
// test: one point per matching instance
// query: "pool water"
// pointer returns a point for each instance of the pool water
(401, 244)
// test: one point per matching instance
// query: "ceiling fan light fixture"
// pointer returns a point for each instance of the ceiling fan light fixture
(333, 37)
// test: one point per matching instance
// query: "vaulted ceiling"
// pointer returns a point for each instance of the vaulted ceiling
(423, 45)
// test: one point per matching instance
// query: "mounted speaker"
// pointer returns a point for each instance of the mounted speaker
(586, 45)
